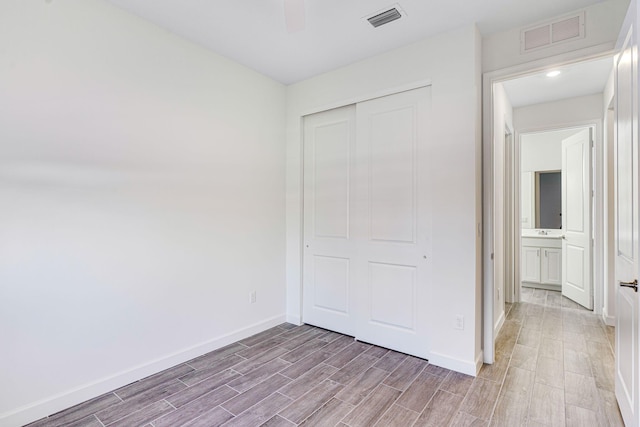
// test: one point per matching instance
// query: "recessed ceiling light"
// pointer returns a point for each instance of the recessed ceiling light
(554, 73)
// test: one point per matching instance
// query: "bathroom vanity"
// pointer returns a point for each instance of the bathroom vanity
(541, 259)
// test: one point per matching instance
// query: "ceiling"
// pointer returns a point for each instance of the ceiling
(582, 78)
(253, 32)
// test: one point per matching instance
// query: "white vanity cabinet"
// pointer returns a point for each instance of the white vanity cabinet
(541, 262)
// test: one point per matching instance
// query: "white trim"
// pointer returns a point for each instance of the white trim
(368, 97)
(468, 367)
(479, 363)
(56, 403)
(499, 324)
(488, 79)
(547, 286)
(295, 320)
(608, 320)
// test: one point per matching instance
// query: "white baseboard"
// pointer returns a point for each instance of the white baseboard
(479, 362)
(468, 367)
(546, 286)
(294, 320)
(51, 405)
(498, 325)
(608, 320)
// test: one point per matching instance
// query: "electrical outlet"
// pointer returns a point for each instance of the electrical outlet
(459, 322)
(252, 297)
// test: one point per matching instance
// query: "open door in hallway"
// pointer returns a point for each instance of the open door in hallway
(626, 220)
(576, 218)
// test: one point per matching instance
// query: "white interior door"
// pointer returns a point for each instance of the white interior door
(328, 264)
(576, 218)
(393, 220)
(626, 220)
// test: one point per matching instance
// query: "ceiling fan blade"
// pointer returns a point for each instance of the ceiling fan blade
(294, 15)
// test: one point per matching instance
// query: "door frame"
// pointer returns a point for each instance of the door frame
(511, 196)
(597, 219)
(488, 134)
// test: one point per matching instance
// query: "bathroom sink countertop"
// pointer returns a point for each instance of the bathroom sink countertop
(553, 234)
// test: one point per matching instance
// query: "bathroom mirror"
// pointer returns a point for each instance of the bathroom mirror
(541, 199)
(548, 202)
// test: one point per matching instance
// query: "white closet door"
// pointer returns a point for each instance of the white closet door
(328, 264)
(393, 221)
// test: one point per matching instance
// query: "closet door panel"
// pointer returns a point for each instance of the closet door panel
(393, 221)
(329, 246)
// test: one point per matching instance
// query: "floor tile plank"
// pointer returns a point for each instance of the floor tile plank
(261, 412)
(144, 415)
(420, 392)
(307, 381)
(191, 393)
(329, 414)
(359, 389)
(373, 407)
(440, 410)
(547, 405)
(245, 400)
(213, 418)
(168, 375)
(196, 408)
(307, 404)
(139, 401)
(397, 416)
(481, 398)
(404, 375)
(457, 383)
(212, 369)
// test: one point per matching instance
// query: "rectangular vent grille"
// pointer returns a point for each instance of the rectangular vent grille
(537, 37)
(384, 17)
(565, 30)
(551, 33)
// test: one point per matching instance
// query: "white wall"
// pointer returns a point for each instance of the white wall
(602, 23)
(142, 196)
(557, 114)
(502, 118)
(455, 132)
(542, 151)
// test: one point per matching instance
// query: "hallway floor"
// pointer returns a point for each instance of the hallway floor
(559, 365)
(554, 367)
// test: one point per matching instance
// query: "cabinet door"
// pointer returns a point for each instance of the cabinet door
(530, 264)
(551, 266)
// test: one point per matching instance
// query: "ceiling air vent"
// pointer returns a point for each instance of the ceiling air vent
(384, 17)
(551, 33)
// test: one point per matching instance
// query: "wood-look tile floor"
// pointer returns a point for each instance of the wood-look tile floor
(554, 366)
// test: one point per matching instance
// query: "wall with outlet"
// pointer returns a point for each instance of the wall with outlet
(142, 188)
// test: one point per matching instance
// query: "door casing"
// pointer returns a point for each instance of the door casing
(595, 52)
